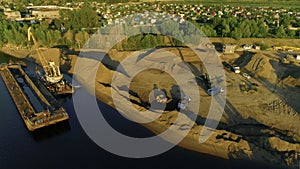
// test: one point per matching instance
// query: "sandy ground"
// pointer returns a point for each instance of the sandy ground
(262, 125)
(266, 41)
(255, 125)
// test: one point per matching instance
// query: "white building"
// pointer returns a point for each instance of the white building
(12, 15)
(228, 49)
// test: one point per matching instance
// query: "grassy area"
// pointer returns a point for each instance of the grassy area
(253, 3)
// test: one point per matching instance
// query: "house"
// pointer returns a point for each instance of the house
(228, 49)
(256, 47)
(247, 47)
(12, 15)
(45, 13)
(153, 21)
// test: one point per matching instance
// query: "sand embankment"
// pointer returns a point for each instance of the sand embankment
(254, 130)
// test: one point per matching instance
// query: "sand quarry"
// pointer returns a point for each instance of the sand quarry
(259, 125)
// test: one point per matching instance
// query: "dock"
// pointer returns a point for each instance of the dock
(52, 113)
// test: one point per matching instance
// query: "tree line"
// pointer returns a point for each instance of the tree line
(74, 28)
(244, 28)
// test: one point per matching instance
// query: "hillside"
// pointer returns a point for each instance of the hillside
(282, 70)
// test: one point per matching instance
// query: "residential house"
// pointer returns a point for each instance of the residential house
(247, 47)
(256, 47)
(45, 13)
(12, 15)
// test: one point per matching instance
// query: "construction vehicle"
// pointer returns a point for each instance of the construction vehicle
(52, 71)
(211, 90)
(215, 90)
(249, 88)
(53, 78)
(227, 65)
(183, 104)
(207, 81)
(236, 69)
(246, 75)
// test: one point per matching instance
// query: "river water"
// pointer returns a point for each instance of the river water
(66, 146)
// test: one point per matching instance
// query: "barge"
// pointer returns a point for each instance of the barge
(34, 119)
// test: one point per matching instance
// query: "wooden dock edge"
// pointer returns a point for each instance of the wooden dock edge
(22, 102)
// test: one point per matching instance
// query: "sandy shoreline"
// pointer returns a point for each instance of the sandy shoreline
(222, 143)
(157, 127)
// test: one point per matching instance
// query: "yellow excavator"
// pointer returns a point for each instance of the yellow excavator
(52, 71)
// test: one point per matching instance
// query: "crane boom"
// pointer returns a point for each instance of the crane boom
(41, 56)
(52, 71)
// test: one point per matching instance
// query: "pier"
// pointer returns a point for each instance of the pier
(52, 112)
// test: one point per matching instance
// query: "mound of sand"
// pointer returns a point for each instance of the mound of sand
(260, 66)
(291, 81)
(270, 69)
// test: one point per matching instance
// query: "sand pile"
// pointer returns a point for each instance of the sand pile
(290, 74)
(260, 66)
(291, 81)
(272, 70)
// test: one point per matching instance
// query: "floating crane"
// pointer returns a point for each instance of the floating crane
(52, 71)
(53, 79)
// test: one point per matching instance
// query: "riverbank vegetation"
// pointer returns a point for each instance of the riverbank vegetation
(75, 27)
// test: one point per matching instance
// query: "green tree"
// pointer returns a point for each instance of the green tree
(280, 32)
(291, 33)
(9, 36)
(285, 20)
(262, 29)
(49, 38)
(81, 38)
(146, 41)
(82, 18)
(208, 30)
(68, 38)
(237, 34)
(245, 27)
(2, 37)
(40, 36)
(225, 29)
(254, 28)
(298, 33)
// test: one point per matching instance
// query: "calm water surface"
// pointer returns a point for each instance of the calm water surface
(66, 146)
